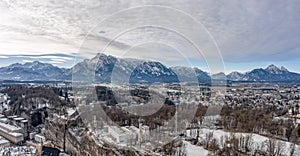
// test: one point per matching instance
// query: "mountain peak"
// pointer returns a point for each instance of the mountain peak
(219, 75)
(234, 73)
(33, 63)
(276, 70)
(100, 54)
(272, 67)
(284, 69)
(28, 64)
(37, 64)
(15, 65)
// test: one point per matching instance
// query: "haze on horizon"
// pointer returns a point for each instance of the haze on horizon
(251, 34)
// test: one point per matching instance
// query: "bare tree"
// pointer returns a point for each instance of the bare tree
(246, 143)
(278, 149)
(292, 149)
(271, 144)
(208, 138)
(213, 145)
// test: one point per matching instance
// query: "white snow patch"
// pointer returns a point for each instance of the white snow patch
(193, 150)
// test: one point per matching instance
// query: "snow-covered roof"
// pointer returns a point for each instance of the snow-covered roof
(9, 128)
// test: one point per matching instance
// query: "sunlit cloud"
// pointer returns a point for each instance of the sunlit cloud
(27, 61)
(56, 57)
(55, 62)
(3, 57)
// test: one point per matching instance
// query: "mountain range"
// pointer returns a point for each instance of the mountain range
(106, 68)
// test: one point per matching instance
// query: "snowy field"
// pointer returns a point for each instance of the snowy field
(259, 142)
(193, 150)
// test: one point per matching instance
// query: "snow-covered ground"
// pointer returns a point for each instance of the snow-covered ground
(193, 150)
(18, 150)
(259, 141)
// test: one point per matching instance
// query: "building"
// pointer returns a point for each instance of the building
(129, 135)
(145, 133)
(11, 133)
(118, 134)
(24, 124)
(211, 121)
(17, 120)
(39, 138)
(4, 120)
(4, 143)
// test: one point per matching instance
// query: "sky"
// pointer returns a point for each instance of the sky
(238, 35)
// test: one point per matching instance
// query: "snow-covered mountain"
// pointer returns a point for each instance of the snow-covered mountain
(32, 71)
(106, 68)
(191, 74)
(218, 76)
(235, 76)
(276, 70)
(153, 72)
(271, 73)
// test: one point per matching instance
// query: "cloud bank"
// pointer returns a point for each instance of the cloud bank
(245, 31)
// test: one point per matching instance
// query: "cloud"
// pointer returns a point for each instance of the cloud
(248, 31)
(3, 57)
(27, 60)
(52, 57)
(58, 60)
(55, 62)
(43, 56)
(64, 60)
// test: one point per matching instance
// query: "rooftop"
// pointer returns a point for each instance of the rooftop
(24, 121)
(16, 134)
(18, 119)
(10, 128)
(117, 129)
(3, 141)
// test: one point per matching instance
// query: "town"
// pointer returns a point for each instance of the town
(56, 119)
